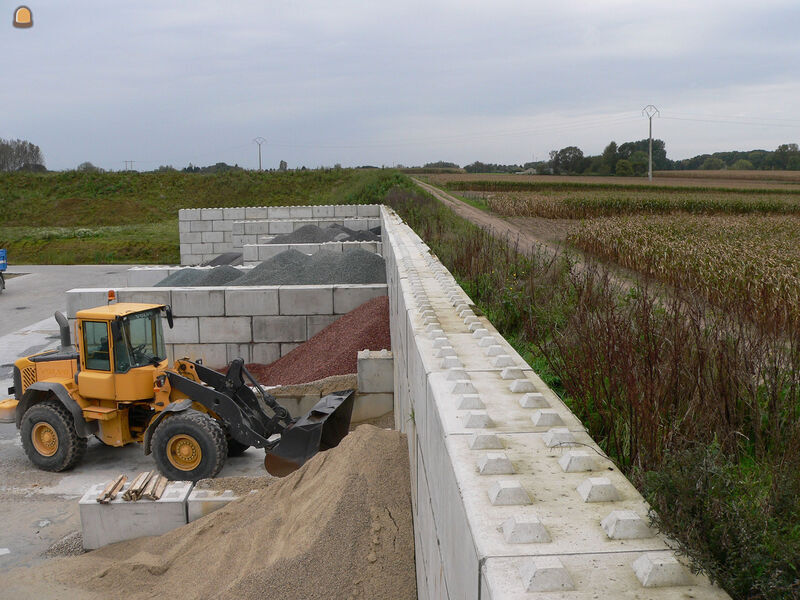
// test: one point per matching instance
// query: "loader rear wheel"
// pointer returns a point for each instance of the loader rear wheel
(189, 446)
(49, 437)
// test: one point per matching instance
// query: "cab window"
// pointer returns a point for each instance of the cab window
(95, 343)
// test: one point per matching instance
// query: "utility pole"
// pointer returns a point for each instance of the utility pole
(129, 165)
(650, 111)
(259, 140)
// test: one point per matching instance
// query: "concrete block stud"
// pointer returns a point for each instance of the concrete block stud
(625, 525)
(457, 375)
(470, 402)
(495, 463)
(545, 574)
(504, 360)
(430, 327)
(510, 373)
(529, 531)
(659, 570)
(534, 400)
(577, 461)
(508, 493)
(445, 351)
(478, 419)
(451, 362)
(479, 333)
(546, 418)
(473, 327)
(521, 386)
(493, 350)
(482, 440)
(435, 333)
(487, 342)
(598, 489)
(558, 436)
(463, 387)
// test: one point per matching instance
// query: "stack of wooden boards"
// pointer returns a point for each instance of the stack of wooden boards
(148, 484)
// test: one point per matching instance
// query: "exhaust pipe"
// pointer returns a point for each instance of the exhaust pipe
(66, 338)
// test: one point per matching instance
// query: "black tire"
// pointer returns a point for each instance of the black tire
(39, 423)
(236, 448)
(197, 433)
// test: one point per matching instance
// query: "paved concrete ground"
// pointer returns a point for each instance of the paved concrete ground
(38, 508)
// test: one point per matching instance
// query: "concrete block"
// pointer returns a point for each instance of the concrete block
(306, 300)
(184, 331)
(265, 353)
(369, 210)
(576, 461)
(546, 418)
(558, 436)
(82, 298)
(482, 440)
(212, 236)
(521, 386)
(495, 463)
(222, 226)
(288, 347)
(511, 373)
(200, 226)
(251, 301)
(345, 210)
(375, 371)
(322, 211)
(545, 574)
(193, 238)
(146, 295)
(226, 330)
(533, 400)
(316, 323)
(213, 355)
(508, 493)
(527, 530)
(233, 214)
(504, 360)
(189, 214)
(250, 253)
(198, 302)
(278, 227)
(470, 402)
(202, 248)
(279, 329)
(255, 212)
(234, 351)
(300, 212)
(478, 419)
(119, 520)
(211, 214)
(626, 525)
(598, 489)
(279, 212)
(145, 277)
(347, 298)
(657, 569)
(203, 502)
(371, 406)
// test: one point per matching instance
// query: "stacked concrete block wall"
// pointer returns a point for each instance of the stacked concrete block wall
(254, 232)
(255, 253)
(208, 232)
(511, 497)
(259, 324)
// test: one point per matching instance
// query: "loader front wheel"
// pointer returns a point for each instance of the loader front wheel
(49, 437)
(189, 446)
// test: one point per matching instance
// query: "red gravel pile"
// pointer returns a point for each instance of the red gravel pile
(334, 350)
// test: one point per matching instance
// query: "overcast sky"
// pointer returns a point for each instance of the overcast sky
(383, 83)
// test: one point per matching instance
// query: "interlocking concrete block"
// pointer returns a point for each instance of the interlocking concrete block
(145, 276)
(184, 331)
(119, 520)
(521, 386)
(347, 298)
(279, 212)
(233, 214)
(322, 211)
(226, 330)
(369, 210)
(463, 387)
(189, 214)
(545, 574)
(256, 212)
(576, 461)
(598, 489)
(234, 351)
(288, 347)
(202, 248)
(214, 355)
(470, 402)
(534, 400)
(300, 212)
(375, 371)
(265, 353)
(251, 301)
(482, 440)
(345, 210)
(306, 300)
(198, 302)
(546, 418)
(558, 436)
(626, 525)
(316, 323)
(527, 530)
(200, 226)
(145, 295)
(657, 569)
(193, 238)
(83, 298)
(223, 226)
(508, 493)
(478, 419)
(495, 463)
(211, 214)
(250, 253)
(279, 329)
(212, 236)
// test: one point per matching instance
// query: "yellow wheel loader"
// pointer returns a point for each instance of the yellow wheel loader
(118, 387)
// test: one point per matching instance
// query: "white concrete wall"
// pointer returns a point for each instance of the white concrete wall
(258, 324)
(510, 494)
(208, 232)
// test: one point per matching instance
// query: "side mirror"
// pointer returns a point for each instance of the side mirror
(168, 310)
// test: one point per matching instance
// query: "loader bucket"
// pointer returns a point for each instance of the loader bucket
(322, 428)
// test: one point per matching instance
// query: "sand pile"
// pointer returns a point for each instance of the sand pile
(311, 234)
(334, 350)
(338, 528)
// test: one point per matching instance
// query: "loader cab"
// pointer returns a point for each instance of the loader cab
(121, 349)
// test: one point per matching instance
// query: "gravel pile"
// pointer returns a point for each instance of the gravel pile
(312, 234)
(339, 527)
(70, 545)
(334, 350)
(273, 270)
(183, 277)
(219, 276)
(228, 258)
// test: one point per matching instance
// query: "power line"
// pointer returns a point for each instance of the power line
(259, 140)
(650, 111)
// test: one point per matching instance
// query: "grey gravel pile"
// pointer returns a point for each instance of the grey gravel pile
(219, 276)
(228, 258)
(273, 270)
(181, 278)
(311, 234)
(359, 266)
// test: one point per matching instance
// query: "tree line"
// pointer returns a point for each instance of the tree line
(20, 155)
